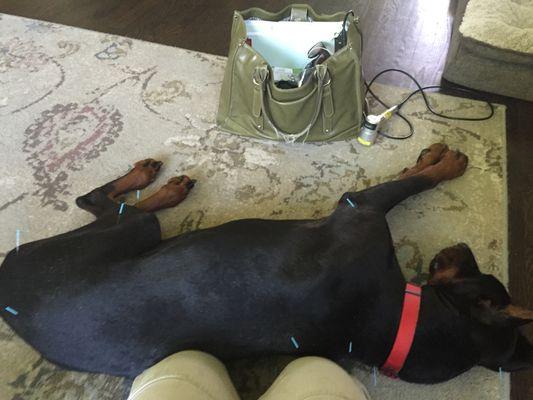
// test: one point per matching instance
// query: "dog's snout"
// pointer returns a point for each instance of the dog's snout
(191, 183)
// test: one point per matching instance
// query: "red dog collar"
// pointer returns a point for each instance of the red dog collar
(406, 331)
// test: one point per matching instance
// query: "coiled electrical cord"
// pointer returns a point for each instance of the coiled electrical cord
(420, 89)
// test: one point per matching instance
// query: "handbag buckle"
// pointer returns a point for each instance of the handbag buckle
(260, 75)
(325, 74)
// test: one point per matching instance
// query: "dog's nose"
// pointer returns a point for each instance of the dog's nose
(191, 183)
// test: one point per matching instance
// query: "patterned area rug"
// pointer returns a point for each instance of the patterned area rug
(76, 107)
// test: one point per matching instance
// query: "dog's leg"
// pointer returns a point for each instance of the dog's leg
(434, 165)
(170, 195)
(102, 199)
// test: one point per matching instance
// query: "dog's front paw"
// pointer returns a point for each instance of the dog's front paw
(170, 195)
(175, 191)
(144, 172)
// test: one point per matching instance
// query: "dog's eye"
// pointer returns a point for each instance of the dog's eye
(436, 265)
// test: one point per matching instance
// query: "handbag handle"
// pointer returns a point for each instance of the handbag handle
(260, 78)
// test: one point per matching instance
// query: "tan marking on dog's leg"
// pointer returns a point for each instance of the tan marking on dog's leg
(430, 156)
(452, 165)
(143, 173)
(169, 195)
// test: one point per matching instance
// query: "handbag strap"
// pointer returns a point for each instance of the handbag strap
(298, 12)
(260, 79)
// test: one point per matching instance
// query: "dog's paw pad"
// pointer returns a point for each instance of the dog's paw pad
(182, 180)
(432, 155)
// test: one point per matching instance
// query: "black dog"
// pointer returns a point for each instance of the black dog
(113, 297)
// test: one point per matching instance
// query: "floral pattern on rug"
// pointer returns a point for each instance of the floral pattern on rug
(54, 150)
(78, 107)
(20, 61)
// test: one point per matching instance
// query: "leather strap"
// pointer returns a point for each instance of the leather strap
(406, 331)
(256, 108)
(327, 110)
(260, 79)
(298, 13)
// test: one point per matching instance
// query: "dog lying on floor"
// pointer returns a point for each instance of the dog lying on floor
(112, 297)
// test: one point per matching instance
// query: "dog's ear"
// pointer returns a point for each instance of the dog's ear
(522, 357)
(451, 264)
(472, 290)
(486, 300)
(508, 316)
(491, 305)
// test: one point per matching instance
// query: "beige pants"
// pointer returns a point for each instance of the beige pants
(193, 375)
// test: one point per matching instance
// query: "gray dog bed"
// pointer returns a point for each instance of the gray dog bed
(492, 47)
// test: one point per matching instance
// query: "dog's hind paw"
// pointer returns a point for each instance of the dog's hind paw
(452, 165)
(429, 156)
(432, 155)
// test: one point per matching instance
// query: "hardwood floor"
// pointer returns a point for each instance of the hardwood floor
(409, 34)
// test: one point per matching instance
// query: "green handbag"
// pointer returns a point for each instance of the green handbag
(329, 106)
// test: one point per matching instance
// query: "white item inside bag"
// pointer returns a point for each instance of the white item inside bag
(286, 43)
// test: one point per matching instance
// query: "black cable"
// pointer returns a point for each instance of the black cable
(420, 90)
(355, 25)
(346, 19)
(399, 114)
(424, 96)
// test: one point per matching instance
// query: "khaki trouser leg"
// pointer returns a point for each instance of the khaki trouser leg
(187, 375)
(315, 378)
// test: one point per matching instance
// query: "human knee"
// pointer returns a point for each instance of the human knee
(308, 376)
(194, 372)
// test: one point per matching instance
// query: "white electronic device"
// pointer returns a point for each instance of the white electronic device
(285, 44)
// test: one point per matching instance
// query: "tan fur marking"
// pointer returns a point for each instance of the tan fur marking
(444, 275)
(518, 312)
